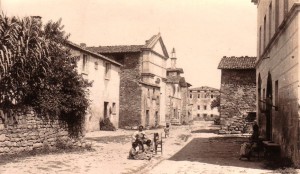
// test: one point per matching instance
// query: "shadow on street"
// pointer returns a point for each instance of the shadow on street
(222, 151)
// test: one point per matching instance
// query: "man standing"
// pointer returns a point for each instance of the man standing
(140, 138)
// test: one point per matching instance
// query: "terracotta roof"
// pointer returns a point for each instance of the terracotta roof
(175, 69)
(132, 48)
(237, 63)
(116, 49)
(204, 88)
(75, 46)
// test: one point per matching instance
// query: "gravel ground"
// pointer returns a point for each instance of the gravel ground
(189, 149)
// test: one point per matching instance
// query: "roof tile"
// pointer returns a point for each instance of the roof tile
(116, 49)
(237, 63)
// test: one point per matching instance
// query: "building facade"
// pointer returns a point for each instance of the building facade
(277, 74)
(104, 73)
(237, 92)
(201, 99)
(143, 81)
(177, 111)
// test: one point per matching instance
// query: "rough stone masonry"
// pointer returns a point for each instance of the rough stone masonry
(25, 131)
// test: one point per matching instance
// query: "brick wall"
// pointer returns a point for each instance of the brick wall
(130, 91)
(238, 91)
(24, 131)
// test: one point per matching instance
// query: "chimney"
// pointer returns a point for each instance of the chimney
(83, 45)
(173, 59)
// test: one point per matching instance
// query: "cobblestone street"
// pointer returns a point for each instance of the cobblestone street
(189, 149)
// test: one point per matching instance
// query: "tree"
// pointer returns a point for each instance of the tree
(216, 103)
(36, 70)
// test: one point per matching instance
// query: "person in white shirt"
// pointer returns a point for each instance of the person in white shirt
(140, 138)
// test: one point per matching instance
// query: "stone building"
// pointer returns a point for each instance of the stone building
(104, 93)
(277, 74)
(143, 81)
(201, 98)
(177, 111)
(238, 88)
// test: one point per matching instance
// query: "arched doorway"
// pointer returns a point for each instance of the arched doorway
(269, 99)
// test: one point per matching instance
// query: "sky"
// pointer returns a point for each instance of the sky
(201, 31)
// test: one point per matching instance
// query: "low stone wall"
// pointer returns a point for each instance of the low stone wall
(25, 131)
(236, 125)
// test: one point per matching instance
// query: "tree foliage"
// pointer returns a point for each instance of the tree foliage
(215, 103)
(36, 70)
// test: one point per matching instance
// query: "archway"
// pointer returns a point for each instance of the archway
(269, 99)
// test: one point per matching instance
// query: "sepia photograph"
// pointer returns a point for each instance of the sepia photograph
(149, 86)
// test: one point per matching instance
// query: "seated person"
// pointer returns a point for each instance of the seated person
(167, 130)
(140, 138)
(133, 152)
(138, 155)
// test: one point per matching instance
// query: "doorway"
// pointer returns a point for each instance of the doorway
(156, 118)
(147, 118)
(269, 104)
(105, 110)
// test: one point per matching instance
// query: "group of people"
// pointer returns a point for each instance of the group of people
(138, 150)
(141, 145)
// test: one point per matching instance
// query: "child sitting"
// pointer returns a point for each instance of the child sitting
(133, 152)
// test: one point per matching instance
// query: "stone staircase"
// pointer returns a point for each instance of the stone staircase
(175, 121)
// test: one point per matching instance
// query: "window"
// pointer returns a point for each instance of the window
(84, 63)
(198, 95)
(265, 32)
(276, 14)
(211, 115)
(270, 20)
(153, 91)
(198, 115)
(114, 108)
(148, 93)
(259, 42)
(205, 107)
(198, 107)
(276, 95)
(286, 7)
(264, 94)
(212, 96)
(191, 95)
(107, 70)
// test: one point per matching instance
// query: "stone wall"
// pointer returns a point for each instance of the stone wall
(186, 118)
(24, 131)
(151, 106)
(238, 90)
(130, 91)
